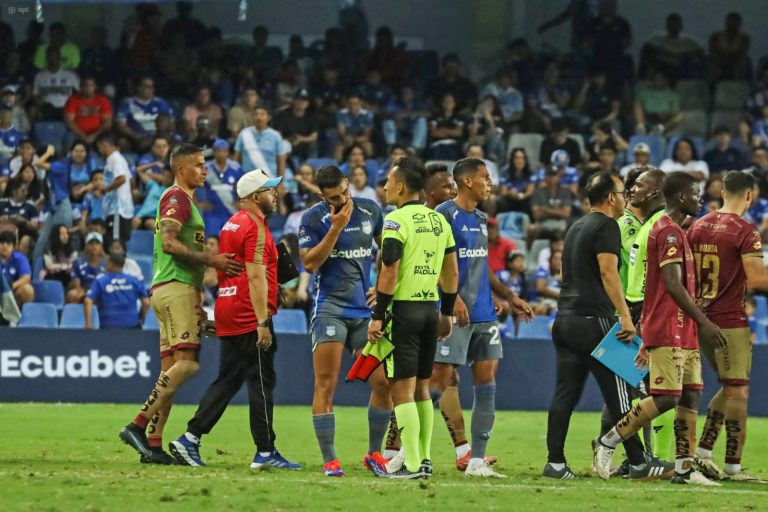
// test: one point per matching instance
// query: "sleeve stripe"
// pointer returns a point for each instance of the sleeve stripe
(673, 260)
(258, 252)
(752, 255)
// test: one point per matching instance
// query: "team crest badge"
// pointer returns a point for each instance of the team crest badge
(367, 228)
(484, 229)
(445, 350)
(330, 330)
(671, 238)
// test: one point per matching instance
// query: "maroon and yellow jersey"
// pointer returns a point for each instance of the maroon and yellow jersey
(719, 241)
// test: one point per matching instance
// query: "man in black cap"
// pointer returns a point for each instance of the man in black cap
(298, 126)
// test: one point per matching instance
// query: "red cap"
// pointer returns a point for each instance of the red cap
(492, 222)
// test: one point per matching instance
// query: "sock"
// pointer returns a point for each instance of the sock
(450, 409)
(483, 415)
(663, 427)
(155, 444)
(703, 453)
(637, 417)
(393, 437)
(462, 450)
(141, 421)
(265, 454)
(685, 432)
(408, 420)
(192, 438)
(557, 466)
(325, 430)
(388, 453)
(714, 422)
(378, 423)
(732, 469)
(611, 439)
(426, 410)
(683, 465)
(735, 429)
(157, 425)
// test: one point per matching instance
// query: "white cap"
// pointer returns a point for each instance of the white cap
(255, 180)
(94, 236)
(642, 147)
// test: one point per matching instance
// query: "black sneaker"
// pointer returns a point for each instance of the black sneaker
(622, 471)
(158, 456)
(558, 474)
(426, 468)
(404, 474)
(653, 469)
(136, 438)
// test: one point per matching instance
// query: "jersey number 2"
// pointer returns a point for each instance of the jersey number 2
(709, 283)
(495, 337)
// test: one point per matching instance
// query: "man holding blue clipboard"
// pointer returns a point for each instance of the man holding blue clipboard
(590, 295)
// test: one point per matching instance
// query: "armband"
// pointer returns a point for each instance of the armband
(383, 301)
(447, 303)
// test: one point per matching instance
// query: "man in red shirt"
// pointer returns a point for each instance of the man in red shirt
(669, 323)
(729, 256)
(243, 311)
(498, 247)
(86, 113)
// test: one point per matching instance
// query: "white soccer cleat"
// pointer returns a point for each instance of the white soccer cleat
(395, 463)
(602, 461)
(693, 477)
(481, 469)
(743, 476)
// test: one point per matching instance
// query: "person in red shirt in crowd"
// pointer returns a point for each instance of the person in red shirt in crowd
(498, 247)
(243, 311)
(87, 114)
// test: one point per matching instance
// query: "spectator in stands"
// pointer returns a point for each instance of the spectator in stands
(760, 129)
(517, 184)
(596, 104)
(609, 36)
(642, 157)
(116, 294)
(136, 115)
(758, 212)
(498, 246)
(99, 60)
(354, 125)
(10, 96)
(26, 154)
(299, 126)
(176, 66)
(203, 106)
(307, 187)
(556, 244)
(358, 184)
(53, 85)
(260, 56)
(86, 269)
(217, 200)
(18, 210)
(685, 158)
(192, 29)
(77, 165)
(723, 157)
(559, 138)
(118, 200)
(131, 266)
(389, 59)
(759, 97)
(155, 185)
(675, 53)
(375, 95)
(58, 259)
(742, 138)
(222, 170)
(140, 38)
(486, 129)
(92, 208)
(328, 99)
(211, 277)
(550, 99)
(9, 135)
(503, 88)
(28, 47)
(581, 14)
(165, 126)
(67, 50)
(452, 82)
(87, 114)
(569, 175)
(407, 123)
(37, 189)
(657, 107)
(551, 205)
(240, 116)
(759, 169)
(603, 134)
(204, 135)
(7, 39)
(157, 158)
(729, 50)
(354, 156)
(298, 53)
(294, 293)
(261, 147)
(713, 193)
(447, 131)
(288, 83)
(15, 268)
(547, 285)
(513, 274)
(606, 161)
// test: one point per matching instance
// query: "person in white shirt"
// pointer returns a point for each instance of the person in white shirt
(53, 85)
(358, 184)
(642, 153)
(684, 158)
(118, 200)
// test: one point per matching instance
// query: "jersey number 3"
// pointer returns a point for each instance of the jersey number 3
(708, 274)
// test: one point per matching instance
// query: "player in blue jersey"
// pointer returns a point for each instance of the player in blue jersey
(476, 338)
(336, 243)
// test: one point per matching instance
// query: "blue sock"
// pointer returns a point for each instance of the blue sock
(483, 415)
(378, 424)
(325, 430)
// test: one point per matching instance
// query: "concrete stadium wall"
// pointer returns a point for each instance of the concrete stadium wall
(39, 365)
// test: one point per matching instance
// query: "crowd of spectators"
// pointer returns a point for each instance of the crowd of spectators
(69, 203)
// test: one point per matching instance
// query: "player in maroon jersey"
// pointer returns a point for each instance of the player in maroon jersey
(728, 256)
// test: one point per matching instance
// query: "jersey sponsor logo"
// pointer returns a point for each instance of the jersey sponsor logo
(481, 252)
(671, 252)
(360, 252)
(484, 229)
(428, 255)
(353, 228)
(200, 237)
(419, 217)
(627, 221)
(170, 212)
(367, 227)
(93, 365)
(230, 226)
(424, 294)
(424, 270)
(228, 291)
(391, 225)
(305, 240)
(464, 228)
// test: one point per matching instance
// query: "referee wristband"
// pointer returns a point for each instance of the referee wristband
(383, 300)
(447, 302)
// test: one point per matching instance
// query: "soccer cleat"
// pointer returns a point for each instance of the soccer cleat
(743, 476)
(602, 461)
(707, 467)
(395, 463)
(693, 477)
(483, 470)
(559, 474)
(653, 469)
(426, 468)
(186, 452)
(273, 460)
(160, 457)
(622, 471)
(135, 438)
(461, 463)
(376, 463)
(333, 468)
(404, 474)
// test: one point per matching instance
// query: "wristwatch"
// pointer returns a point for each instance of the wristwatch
(265, 323)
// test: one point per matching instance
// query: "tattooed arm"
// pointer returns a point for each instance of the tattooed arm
(169, 233)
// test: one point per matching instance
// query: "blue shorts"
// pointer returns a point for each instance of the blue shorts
(351, 332)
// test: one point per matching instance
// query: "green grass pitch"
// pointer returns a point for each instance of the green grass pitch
(68, 458)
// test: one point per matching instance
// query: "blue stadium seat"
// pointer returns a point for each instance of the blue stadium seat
(698, 144)
(513, 224)
(290, 321)
(73, 317)
(50, 132)
(145, 264)
(761, 332)
(50, 292)
(38, 315)
(37, 267)
(538, 329)
(761, 308)
(150, 321)
(140, 243)
(655, 143)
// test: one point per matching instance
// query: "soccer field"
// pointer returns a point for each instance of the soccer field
(68, 457)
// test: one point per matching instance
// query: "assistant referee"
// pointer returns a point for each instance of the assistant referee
(590, 294)
(417, 250)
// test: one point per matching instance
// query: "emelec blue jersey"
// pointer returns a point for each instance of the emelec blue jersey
(342, 281)
(470, 230)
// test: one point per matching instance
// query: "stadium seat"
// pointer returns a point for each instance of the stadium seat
(50, 132)
(49, 292)
(317, 163)
(372, 170)
(727, 117)
(761, 308)
(530, 142)
(150, 321)
(38, 315)
(730, 94)
(538, 329)
(513, 224)
(655, 143)
(698, 144)
(532, 258)
(141, 243)
(761, 332)
(145, 264)
(73, 317)
(694, 123)
(507, 329)
(290, 321)
(694, 94)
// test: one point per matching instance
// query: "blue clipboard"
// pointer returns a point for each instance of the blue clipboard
(619, 357)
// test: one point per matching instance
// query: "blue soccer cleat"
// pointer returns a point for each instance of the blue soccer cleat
(273, 460)
(186, 452)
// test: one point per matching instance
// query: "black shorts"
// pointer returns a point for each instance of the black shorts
(636, 311)
(118, 228)
(414, 335)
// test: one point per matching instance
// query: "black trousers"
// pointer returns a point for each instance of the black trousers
(575, 337)
(241, 361)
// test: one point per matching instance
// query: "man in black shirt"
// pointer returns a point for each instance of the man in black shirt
(559, 139)
(298, 126)
(590, 294)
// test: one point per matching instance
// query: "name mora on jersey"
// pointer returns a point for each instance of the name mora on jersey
(473, 253)
(360, 252)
